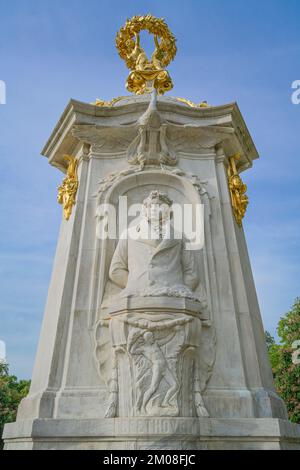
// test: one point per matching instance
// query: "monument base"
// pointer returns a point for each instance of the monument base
(153, 434)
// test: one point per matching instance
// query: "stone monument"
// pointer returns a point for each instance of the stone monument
(150, 339)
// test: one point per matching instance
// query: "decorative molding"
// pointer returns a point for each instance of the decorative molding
(151, 140)
(105, 183)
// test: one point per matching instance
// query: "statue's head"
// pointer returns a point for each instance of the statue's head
(130, 43)
(148, 337)
(157, 207)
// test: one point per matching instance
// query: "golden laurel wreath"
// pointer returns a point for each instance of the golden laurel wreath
(125, 42)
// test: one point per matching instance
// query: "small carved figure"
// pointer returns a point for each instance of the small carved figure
(148, 347)
(138, 54)
(159, 54)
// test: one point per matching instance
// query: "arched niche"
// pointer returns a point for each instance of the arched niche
(136, 185)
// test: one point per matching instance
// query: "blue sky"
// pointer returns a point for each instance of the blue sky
(231, 50)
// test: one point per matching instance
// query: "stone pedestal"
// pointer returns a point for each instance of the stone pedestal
(156, 347)
(153, 434)
(156, 372)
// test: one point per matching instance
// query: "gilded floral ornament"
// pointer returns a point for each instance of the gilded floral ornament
(190, 103)
(68, 189)
(147, 74)
(99, 102)
(237, 189)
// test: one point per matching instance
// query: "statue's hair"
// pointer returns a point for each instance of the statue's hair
(162, 197)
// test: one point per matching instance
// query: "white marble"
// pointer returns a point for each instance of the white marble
(130, 150)
(153, 434)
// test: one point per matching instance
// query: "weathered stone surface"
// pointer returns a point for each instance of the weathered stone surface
(153, 433)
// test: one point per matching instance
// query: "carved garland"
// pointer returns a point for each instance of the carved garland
(157, 26)
(146, 74)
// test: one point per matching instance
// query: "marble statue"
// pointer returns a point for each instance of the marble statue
(149, 341)
(151, 258)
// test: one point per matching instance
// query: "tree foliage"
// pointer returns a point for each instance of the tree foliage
(11, 393)
(286, 373)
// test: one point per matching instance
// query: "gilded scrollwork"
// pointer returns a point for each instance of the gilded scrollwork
(237, 189)
(191, 104)
(68, 189)
(102, 103)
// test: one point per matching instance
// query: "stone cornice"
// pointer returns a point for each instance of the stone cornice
(225, 122)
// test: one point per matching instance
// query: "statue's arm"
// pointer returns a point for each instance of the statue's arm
(118, 272)
(190, 269)
(156, 42)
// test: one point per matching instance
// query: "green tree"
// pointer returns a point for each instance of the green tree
(12, 391)
(286, 373)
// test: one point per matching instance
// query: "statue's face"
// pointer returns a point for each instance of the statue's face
(130, 43)
(148, 337)
(157, 211)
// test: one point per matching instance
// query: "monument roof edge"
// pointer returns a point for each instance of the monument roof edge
(57, 130)
(62, 141)
(247, 144)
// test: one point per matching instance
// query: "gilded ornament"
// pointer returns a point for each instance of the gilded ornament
(101, 103)
(237, 189)
(68, 189)
(190, 103)
(147, 74)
